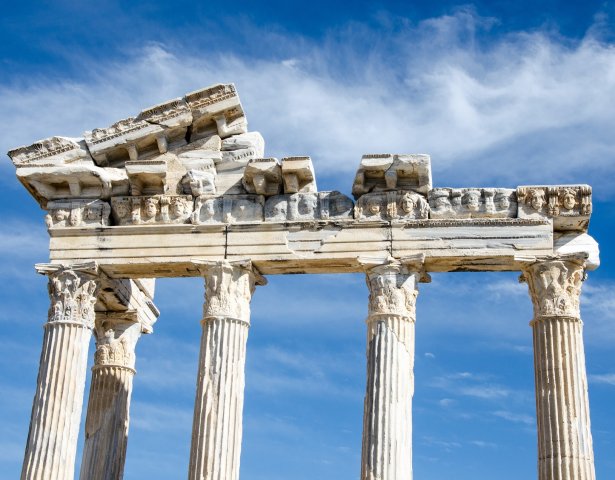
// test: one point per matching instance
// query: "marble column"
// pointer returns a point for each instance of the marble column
(56, 412)
(107, 420)
(387, 421)
(565, 449)
(217, 426)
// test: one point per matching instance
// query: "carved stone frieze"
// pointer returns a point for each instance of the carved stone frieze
(159, 209)
(570, 206)
(298, 175)
(228, 209)
(392, 205)
(555, 286)
(308, 207)
(472, 203)
(389, 172)
(77, 213)
(263, 176)
(216, 109)
(72, 293)
(54, 151)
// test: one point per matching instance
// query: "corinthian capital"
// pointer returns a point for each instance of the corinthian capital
(228, 288)
(393, 286)
(116, 334)
(555, 285)
(72, 291)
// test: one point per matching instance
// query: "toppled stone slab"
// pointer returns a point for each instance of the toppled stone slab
(159, 209)
(392, 205)
(473, 203)
(216, 109)
(569, 206)
(77, 213)
(301, 207)
(298, 175)
(263, 176)
(378, 172)
(228, 209)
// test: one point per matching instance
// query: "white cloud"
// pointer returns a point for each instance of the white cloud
(524, 107)
(605, 378)
(515, 417)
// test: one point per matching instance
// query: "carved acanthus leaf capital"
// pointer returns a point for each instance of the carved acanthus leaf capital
(72, 292)
(228, 288)
(393, 285)
(116, 334)
(555, 285)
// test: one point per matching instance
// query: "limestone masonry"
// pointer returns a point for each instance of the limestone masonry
(184, 189)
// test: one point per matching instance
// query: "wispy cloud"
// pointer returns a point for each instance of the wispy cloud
(515, 417)
(471, 385)
(522, 99)
(604, 378)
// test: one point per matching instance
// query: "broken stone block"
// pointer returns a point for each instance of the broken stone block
(147, 177)
(263, 176)
(298, 175)
(378, 172)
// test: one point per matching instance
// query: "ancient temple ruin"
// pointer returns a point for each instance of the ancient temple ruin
(184, 189)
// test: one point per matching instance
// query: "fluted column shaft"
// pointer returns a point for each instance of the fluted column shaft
(565, 449)
(217, 427)
(108, 415)
(56, 412)
(387, 420)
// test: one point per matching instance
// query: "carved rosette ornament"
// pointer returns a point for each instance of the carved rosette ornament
(387, 420)
(565, 450)
(217, 426)
(56, 413)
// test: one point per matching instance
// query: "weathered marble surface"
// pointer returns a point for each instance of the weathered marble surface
(565, 450)
(217, 427)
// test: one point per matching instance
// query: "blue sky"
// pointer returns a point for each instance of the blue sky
(499, 93)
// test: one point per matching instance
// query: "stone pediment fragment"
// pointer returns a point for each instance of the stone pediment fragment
(302, 207)
(124, 140)
(379, 172)
(200, 155)
(473, 203)
(263, 176)
(159, 209)
(77, 213)
(569, 206)
(77, 180)
(392, 205)
(298, 175)
(216, 109)
(228, 209)
(147, 177)
(54, 151)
